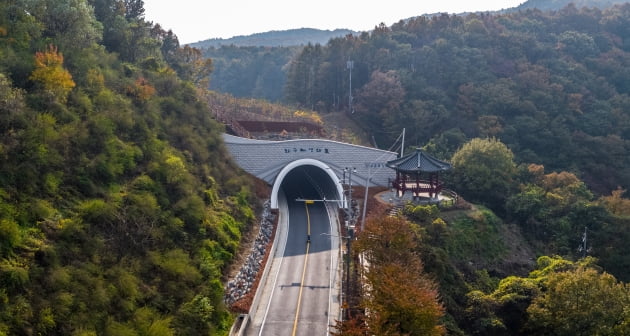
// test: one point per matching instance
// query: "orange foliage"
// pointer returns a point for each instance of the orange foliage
(489, 125)
(141, 90)
(51, 75)
(351, 327)
(401, 298)
(536, 170)
(559, 180)
(616, 204)
(404, 303)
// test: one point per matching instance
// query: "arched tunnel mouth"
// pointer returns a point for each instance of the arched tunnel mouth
(309, 182)
(305, 187)
(307, 178)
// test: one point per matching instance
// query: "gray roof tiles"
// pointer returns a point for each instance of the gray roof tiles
(419, 162)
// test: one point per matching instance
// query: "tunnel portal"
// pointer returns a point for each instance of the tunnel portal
(308, 179)
(322, 163)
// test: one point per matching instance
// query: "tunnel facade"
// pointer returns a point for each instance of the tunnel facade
(330, 189)
(272, 161)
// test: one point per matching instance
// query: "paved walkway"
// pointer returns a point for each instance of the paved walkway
(390, 197)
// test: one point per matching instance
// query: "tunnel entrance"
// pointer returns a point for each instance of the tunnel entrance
(307, 179)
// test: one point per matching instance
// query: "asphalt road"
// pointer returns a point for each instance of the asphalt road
(301, 289)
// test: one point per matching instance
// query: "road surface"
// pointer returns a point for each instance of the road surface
(301, 294)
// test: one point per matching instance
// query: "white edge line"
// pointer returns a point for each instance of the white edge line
(275, 280)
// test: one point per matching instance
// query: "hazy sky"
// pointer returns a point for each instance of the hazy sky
(197, 20)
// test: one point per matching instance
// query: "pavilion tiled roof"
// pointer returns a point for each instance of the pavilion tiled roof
(419, 162)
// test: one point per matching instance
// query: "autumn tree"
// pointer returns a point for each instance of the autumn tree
(610, 242)
(616, 203)
(141, 90)
(351, 327)
(400, 298)
(49, 73)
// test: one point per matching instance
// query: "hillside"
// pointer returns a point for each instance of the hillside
(546, 5)
(531, 108)
(281, 38)
(243, 63)
(119, 214)
(551, 85)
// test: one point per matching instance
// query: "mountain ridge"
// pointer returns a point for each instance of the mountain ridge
(304, 36)
(276, 38)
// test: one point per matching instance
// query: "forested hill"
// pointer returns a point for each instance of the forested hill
(282, 38)
(118, 209)
(554, 86)
(559, 4)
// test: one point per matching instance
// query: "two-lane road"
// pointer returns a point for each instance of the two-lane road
(300, 296)
(302, 287)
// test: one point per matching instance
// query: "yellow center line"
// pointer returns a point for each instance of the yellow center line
(308, 244)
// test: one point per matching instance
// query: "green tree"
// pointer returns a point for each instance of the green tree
(380, 99)
(134, 9)
(581, 302)
(71, 23)
(192, 66)
(554, 209)
(301, 82)
(11, 104)
(504, 311)
(579, 45)
(484, 171)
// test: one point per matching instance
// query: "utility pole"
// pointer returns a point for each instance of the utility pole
(402, 146)
(349, 215)
(365, 197)
(583, 246)
(349, 66)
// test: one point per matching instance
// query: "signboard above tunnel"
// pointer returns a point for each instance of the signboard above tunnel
(265, 159)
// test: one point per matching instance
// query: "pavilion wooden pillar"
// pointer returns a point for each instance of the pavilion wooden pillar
(410, 167)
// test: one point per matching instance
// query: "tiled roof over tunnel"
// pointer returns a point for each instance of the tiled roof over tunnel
(267, 159)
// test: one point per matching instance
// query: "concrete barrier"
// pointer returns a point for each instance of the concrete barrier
(281, 227)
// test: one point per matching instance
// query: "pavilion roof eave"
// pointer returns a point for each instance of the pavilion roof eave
(415, 171)
(419, 162)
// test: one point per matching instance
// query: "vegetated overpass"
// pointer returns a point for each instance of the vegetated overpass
(323, 161)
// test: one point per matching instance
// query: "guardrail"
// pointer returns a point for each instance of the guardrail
(451, 201)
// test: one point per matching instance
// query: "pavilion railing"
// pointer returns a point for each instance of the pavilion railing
(417, 186)
(452, 199)
(423, 186)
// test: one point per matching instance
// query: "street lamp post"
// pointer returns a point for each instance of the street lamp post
(347, 259)
(349, 196)
(365, 197)
(349, 66)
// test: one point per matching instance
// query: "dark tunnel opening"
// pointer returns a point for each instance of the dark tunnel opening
(307, 186)
(309, 182)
